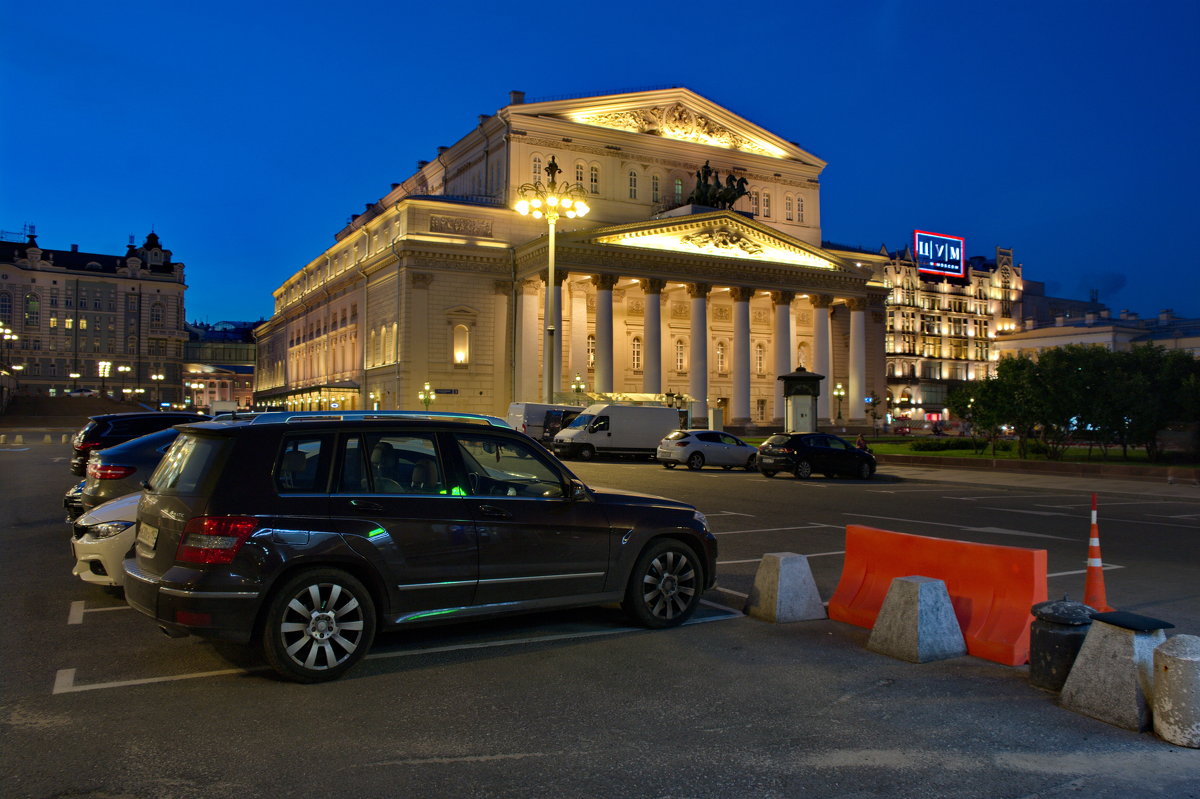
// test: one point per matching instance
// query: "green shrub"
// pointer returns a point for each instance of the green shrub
(940, 444)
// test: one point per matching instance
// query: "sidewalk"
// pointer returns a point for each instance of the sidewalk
(1107, 485)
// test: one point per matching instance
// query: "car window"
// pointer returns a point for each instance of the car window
(836, 443)
(186, 464)
(601, 423)
(781, 440)
(730, 440)
(501, 467)
(297, 469)
(709, 438)
(392, 463)
(675, 435)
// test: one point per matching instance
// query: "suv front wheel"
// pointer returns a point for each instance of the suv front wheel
(664, 588)
(318, 625)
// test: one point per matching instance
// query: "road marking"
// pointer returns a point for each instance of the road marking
(1176, 516)
(731, 592)
(1020, 496)
(1106, 567)
(75, 616)
(1108, 504)
(998, 530)
(19, 449)
(727, 513)
(778, 529)
(1032, 512)
(1002, 531)
(759, 560)
(912, 491)
(64, 679)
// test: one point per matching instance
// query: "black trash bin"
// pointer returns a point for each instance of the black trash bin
(1055, 638)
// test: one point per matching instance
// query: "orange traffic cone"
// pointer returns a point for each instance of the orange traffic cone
(1093, 586)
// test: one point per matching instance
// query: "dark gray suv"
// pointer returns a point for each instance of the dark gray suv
(306, 534)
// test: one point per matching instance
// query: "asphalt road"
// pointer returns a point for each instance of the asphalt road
(96, 703)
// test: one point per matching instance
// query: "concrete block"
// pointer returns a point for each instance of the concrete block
(64, 438)
(18, 439)
(1113, 676)
(1176, 703)
(917, 623)
(784, 590)
(3, 438)
(46, 439)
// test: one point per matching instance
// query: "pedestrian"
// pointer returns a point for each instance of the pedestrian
(861, 443)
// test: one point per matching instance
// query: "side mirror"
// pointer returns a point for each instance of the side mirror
(578, 491)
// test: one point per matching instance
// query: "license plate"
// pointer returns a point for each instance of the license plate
(147, 535)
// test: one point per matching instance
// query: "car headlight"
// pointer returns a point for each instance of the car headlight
(108, 529)
(700, 517)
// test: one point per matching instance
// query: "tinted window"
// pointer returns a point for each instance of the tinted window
(730, 440)
(186, 464)
(836, 443)
(581, 420)
(398, 463)
(503, 467)
(711, 438)
(778, 440)
(299, 465)
(675, 435)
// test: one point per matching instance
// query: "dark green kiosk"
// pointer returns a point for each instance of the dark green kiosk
(800, 391)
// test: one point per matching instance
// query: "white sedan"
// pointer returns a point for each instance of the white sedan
(700, 448)
(101, 539)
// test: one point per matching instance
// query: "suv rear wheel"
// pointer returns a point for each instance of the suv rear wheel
(664, 588)
(318, 625)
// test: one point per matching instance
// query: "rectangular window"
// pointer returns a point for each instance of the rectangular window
(654, 189)
(298, 469)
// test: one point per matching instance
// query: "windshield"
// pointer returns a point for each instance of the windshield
(186, 463)
(582, 420)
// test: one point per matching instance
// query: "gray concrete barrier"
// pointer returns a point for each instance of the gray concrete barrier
(1176, 703)
(1113, 676)
(917, 623)
(784, 590)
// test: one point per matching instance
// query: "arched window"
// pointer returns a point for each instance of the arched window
(655, 195)
(591, 350)
(5, 308)
(760, 358)
(33, 310)
(462, 344)
(537, 168)
(721, 356)
(632, 184)
(680, 355)
(678, 190)
(635, 353)
(579, 169)
(788, 214)
(754, 202)
(594, 179)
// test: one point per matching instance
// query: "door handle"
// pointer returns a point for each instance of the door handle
(362, 504)
(494, 512)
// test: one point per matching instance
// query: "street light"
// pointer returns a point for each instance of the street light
(547, 201)
(839, 392)
(74, 381)
(426, 395)
(124, 370)
(103, 367)
(195, 387)
(157, 378)
(578, 386)
(9, 338)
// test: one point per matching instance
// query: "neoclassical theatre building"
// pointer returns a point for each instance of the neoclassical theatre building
(654, 294)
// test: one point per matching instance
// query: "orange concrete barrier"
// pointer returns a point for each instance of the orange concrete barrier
(992, 587)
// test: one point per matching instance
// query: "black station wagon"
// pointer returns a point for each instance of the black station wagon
(306, 534)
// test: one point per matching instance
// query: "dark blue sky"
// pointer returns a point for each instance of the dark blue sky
(247, 133)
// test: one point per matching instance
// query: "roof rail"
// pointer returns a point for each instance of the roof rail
(337, 416)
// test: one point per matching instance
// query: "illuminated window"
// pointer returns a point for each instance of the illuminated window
(632, 185)
(83, 323)
(754, 202)
(766, 201)
(33, 310)
(156, 313)
(537, 168)
(680, 355)
(462, 344)
(69, 323)
(591, 350)
(799, 209)
(594, 179)
(635, 353)
(579, 172)
(654, 189)
(788, 214)
(6, 308)
(721, 356)
(678, 190)
(760, 358)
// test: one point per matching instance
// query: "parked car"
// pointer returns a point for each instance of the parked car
(73, 500)
(802, 454)
(102, 538)
(531, 418)
(610, 429)
(700, 448)
(306, 535)
(121, 469)
(83, 392)
(109, 429)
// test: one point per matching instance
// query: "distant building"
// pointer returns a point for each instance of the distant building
(1101, 329)
(110, 322)
(219, 365)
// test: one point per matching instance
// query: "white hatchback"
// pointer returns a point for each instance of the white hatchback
(700, 448)
(102, 538)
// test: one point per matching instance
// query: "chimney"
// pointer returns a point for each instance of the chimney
(1105, 314)
(442, 149)
(515, 97)
(395, 186)
(74, 248)
(421, 165)
(484, 118)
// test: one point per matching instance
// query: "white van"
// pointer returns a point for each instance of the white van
(530, 417)
(606, 429)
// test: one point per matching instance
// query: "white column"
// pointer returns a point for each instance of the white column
(526, 388)
(739, 409)
(821, 359)
(604, 332)
(784, 348)
(501, 371)
(652, 337)
(858, 360)
(579, 332)
(698, 355)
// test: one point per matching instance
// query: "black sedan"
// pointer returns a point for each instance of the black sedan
(802, 454)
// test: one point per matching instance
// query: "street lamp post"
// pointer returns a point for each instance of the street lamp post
(124, 370)
(547, 201)
(9, 338)
(74, 381)
(158, 377)
(426, 395)
(578, 386)
(840, 393)
(103, 367)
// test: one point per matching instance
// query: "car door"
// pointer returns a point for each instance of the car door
(390, 489)
(734, 451)
(841, 457)
(709, 445)
(536, 541)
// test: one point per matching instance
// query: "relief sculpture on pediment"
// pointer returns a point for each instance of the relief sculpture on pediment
(675, 122)
(715, 240)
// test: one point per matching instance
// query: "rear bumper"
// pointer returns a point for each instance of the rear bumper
(181, 608)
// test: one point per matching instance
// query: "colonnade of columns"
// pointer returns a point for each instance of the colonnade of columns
(783, 344)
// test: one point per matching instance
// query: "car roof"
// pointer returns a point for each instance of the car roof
(375, 416)
(421, 421)
(105, 417)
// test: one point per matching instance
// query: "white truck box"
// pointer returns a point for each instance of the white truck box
(609, 429)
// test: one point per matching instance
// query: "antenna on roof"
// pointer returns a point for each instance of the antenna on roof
(130, 239)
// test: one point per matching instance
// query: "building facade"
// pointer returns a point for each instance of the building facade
(1119, 333)
(218, 370)
(654, 294)
(114, 323)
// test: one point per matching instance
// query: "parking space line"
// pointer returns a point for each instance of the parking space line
(64, 680)
(1105, 567)
(759, 560)
(778, 529)
(75, 616)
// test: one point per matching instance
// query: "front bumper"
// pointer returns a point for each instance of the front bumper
(174, 602)
(100, 560)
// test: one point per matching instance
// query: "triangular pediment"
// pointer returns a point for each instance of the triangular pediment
(717, 234)
(676, 113)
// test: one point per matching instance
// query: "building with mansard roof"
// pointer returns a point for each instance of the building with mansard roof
(114, 321)
(653, 295)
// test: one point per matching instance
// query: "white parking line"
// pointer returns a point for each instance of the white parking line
(64, 679)
(1105, 567)
(75, 616)
(779, 529)
(759, 560)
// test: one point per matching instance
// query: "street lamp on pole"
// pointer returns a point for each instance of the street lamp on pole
(840, 393)
(426, 395)
(124, 370)
(578, 386)
(74, 381)
(9, 338)
(548, 201)
(157, 377)
(103, 367)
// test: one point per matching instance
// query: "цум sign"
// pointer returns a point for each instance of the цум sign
(938, 254)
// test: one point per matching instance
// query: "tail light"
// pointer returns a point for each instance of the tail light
(214, 539)
(84, 446)
(108, 471)
(682, 443)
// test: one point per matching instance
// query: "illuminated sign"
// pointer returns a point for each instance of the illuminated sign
(938, 254)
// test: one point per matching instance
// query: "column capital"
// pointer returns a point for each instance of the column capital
(605, 281)
(529, 286)
(559, 277)
(741, 293)
(653, 285)
(699, 291)
(783, 297)
(820, 300)
(857, 303)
